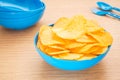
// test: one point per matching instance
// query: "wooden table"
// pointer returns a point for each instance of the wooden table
(20, 61)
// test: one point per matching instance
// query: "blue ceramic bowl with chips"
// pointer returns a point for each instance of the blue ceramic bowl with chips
(71, 65)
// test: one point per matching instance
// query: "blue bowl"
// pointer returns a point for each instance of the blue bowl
(71, 65)
(21, 23)
(22, 14)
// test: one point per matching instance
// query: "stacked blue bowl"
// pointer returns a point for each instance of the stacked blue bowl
(20, 14)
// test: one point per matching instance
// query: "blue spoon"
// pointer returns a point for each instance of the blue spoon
(104, 13)
(107, 7)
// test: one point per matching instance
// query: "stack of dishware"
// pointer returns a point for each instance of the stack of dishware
(20, 14)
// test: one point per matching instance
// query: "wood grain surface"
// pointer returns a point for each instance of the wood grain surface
(20, 61)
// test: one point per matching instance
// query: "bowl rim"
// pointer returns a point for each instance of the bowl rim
(42, 11)
(40, 8)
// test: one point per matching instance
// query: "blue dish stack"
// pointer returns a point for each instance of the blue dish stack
(20, 14)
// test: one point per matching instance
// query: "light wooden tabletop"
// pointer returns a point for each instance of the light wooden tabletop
(20, 61)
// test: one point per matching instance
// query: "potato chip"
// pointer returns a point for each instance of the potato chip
(86, 39)
(102, 37)
(68, 32)
(72, 30)
(84, 49)
(100, 51)
(69, 56)
(87, 57)
(61, 47)
(58, 52)
(73, 44)
(41, 46)
(48, 37)
(92, 26)
(93, 49)
(55, 49)
(79, 19)
(74, 38)
(61, 23)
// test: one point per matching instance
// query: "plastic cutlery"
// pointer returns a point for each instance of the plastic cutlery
(105, 6)
(104, 13)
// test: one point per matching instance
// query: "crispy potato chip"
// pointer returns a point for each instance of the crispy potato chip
(100, 51)
(73, 44)
(87, 57)
(69, 32)
(69, 56)
(55, 49)
(84, 49)
(72, 29)
(79, 19)
(93, 49)
(58, 52)
(74, 38)
(102, 37)
(61, 47)
(92, 26)
(49, 50)
(86, 39)
(41, 46)
(61, 23)
(48, 37)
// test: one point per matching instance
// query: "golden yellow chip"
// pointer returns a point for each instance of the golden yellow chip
(58, 52)
(61, 47)
(79, 19)
(48, 37)
(69, 56)
(72, 30)
(92, 26)
(86, 39)
(100, 51)
(55, 49)
(84, 49)
(61, 23)
(87, 57)
(74, 38)
(69, 32)
(41, 46)
(102, 37)
(73, 44)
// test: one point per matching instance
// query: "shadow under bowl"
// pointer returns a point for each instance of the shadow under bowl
(71, 65)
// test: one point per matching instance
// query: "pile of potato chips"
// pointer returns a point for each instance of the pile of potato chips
(73, 38)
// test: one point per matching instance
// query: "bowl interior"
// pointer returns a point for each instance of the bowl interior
(23, 14)
(20, 5)
(19, 16)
